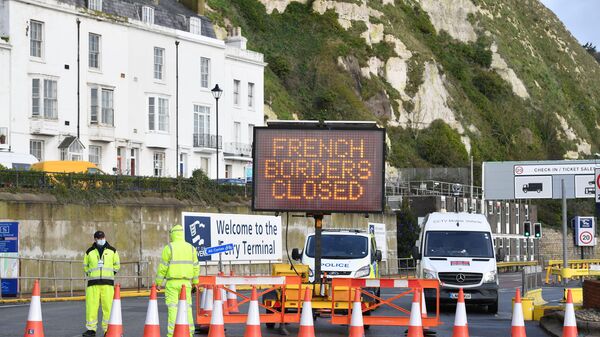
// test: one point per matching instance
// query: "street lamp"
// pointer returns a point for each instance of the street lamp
(216, 92)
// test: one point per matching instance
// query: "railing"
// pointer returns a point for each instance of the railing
(431, 187)
(240, 149)
(34, 180)
(207, 140)
(66, 277)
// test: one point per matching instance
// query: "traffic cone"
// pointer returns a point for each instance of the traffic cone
(182, 326)
(217, 326)
(224, 300)
(232, 301)
(415, 325)
(570, 324)
(357, 329)
(460, 320)
(253, 321)
(152, 326)
(307, 328)
(518, 324)
(115, 323)
(35, 327)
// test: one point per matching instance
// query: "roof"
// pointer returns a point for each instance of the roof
(456, 221)
(167, 13)
(68, 141)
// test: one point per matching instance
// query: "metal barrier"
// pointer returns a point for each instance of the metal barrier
(66, 276)
(503, 266)
(575, 268)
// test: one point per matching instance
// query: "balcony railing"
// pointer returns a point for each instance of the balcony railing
(238, 149)
(207, 140)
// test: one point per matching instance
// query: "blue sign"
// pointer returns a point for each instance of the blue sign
(219, 249)
(197, 233)
(9, 237)
(9, 246)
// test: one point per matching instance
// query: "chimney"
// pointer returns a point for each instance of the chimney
(200, 7)
(235, 38)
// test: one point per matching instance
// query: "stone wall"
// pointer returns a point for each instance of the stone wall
(591, 294)
(138, 228)
(551, 246)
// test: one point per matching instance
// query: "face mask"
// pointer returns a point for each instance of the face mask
(101, 242)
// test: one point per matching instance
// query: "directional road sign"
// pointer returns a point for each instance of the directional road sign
(219, 249)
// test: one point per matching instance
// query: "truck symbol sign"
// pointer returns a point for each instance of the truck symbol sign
(533, 187)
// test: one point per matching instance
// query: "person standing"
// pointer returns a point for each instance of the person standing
(179, 266)
(100, 264)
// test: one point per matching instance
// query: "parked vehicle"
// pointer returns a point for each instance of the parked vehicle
(17, 161)
(65, 166)
(457, 249)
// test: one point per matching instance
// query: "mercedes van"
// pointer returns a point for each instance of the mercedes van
(457, 249)
(344, 253)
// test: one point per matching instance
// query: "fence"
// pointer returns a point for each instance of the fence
(431, 187)
(35, 180)
(66, 277)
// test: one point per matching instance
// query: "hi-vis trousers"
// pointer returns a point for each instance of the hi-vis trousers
(94, 296)
(172, 290)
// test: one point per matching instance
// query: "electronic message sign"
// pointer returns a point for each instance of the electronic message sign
(318, 170)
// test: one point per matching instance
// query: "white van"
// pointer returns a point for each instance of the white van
(458, 250)
(344, 253)
(17, 161)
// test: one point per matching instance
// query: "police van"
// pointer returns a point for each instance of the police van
(458, 250)
(344, 253)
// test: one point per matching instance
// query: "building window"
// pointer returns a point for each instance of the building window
(148, 15)
(102, 106)
(71, 149)
(204, 72)
(201, 126)
(95, 155)
(250, 134)
(159, 164)
(36, 38)
(236, 92)
(94, 51)
(237, 127)
(36, 149)
(44, 101)
(204, 164)
(158, 114)
(95, 5)
(159, 61)
(228, 171)
(195, 26)
(250, 95)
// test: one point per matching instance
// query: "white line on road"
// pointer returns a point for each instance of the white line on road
(13, 306)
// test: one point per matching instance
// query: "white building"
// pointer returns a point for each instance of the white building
(127, 92)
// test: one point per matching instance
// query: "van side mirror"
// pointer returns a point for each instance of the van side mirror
(378, 255)
(415, 253)
(296, 254)
(500, 255)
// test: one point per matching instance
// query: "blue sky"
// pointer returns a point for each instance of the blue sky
(581, 17)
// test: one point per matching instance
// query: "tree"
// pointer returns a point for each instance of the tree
(591, 49)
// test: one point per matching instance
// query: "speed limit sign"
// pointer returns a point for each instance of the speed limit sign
(585, 230)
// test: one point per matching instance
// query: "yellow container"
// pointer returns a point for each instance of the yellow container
(527, 305)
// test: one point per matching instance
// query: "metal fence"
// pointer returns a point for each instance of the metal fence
(66, 277)
(431, 187)
(35, 180)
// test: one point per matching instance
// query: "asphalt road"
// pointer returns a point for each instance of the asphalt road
(66, 319)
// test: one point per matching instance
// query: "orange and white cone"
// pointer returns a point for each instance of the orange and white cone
(115, 323)
(357, 329)
(217, 325)
(307, 326)
(570, 323)
(182, 326)
(232, 301)
(415, 324)
(152, 326)
(34, 327)
(224, 300)
(460, 320)
(518, 323)
(253, 321)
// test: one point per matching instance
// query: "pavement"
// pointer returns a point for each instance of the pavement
(66, 319)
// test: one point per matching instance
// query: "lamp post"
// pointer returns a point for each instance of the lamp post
(216, 92)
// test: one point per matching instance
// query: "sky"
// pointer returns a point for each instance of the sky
(581, 17)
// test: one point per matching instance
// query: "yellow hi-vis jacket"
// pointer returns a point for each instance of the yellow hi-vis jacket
(179, 260)
(100, 264)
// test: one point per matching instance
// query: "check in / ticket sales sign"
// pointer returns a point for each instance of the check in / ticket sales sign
(318, 170)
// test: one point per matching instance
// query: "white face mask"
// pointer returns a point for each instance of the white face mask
(101, 242)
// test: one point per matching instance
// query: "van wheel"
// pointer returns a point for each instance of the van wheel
(493, 308)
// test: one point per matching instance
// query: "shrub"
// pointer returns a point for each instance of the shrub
(441, 145)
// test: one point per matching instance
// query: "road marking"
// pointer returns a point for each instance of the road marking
(13, 306)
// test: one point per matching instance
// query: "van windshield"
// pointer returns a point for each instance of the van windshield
(339, 246)
(458, 244)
